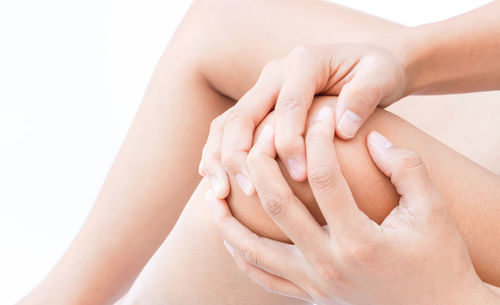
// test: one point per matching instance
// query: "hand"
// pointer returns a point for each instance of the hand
(416, 256)
(362, 76)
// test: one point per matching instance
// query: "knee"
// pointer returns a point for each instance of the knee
(372, 190)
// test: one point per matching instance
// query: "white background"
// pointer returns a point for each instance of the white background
(72, 74)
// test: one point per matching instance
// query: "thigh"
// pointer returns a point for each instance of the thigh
(192, 267)
(246, 34)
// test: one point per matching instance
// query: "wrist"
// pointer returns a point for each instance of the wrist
(409, 48)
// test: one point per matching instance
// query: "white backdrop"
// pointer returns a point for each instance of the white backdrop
(72, 74)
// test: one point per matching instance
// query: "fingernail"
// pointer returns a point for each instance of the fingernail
(380, 140)
(229, 248)
(349, 124)
(244, 183)
(324, 113)
(200, 168)
(216, 186)
(294, 168)
(266, 134)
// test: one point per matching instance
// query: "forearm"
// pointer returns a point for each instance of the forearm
(457, 55)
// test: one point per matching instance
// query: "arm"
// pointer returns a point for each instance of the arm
(457, 55)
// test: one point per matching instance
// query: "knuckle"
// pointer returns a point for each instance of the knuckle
(366, 99)
(361, 253)
(216, 123)
(302, 52)
(287, 143)
(408, 159)
(330, 274)
(250, 256)
(210, 154)
(235, 115)
(270, 69)
(275, 204)
(229, 161)
(287, 102)
(322, 176)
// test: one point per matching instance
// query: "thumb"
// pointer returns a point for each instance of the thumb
(357, 101)
(407, 172)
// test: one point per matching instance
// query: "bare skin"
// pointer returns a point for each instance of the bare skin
(185, 257)
(197, 79)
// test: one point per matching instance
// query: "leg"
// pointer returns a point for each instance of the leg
(247, 34)
(220, 45)
(186, 271)
(146, 189)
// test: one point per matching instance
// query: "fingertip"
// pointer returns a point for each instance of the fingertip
(376, 138)
(201, 170)
(219, 185)
(297, 168)
(348, 125)
(380, 149)
(245, 184)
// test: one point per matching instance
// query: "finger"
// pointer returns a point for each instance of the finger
(276, 257)
(270, 282)
(294, 101)
(357, 101)
(278, 200)
(241, 122)
(210, 163)
(328, 185)
(407, 172)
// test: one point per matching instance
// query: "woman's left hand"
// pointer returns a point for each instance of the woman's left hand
(416, 256)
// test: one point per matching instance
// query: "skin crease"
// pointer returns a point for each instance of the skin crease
(215, 56)
(376, 196)
(194, 253)
(367, 193)
(409, 61)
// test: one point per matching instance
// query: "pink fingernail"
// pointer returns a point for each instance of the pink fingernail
(216, 186)
(349, 124)
(244, 183)
(380, 140)
(266, 134)
(294, 168)
(324, 113)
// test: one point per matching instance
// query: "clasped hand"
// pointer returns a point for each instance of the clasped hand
(415, 256)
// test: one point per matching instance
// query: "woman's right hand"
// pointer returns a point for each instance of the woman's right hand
(362, 76)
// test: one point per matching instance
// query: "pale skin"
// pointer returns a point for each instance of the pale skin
(352, 259)
(138, 209)
(456, 55)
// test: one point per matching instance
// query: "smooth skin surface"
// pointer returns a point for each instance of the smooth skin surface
(215, 57)
(352, 259)
(193, 267)
(455, 55)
